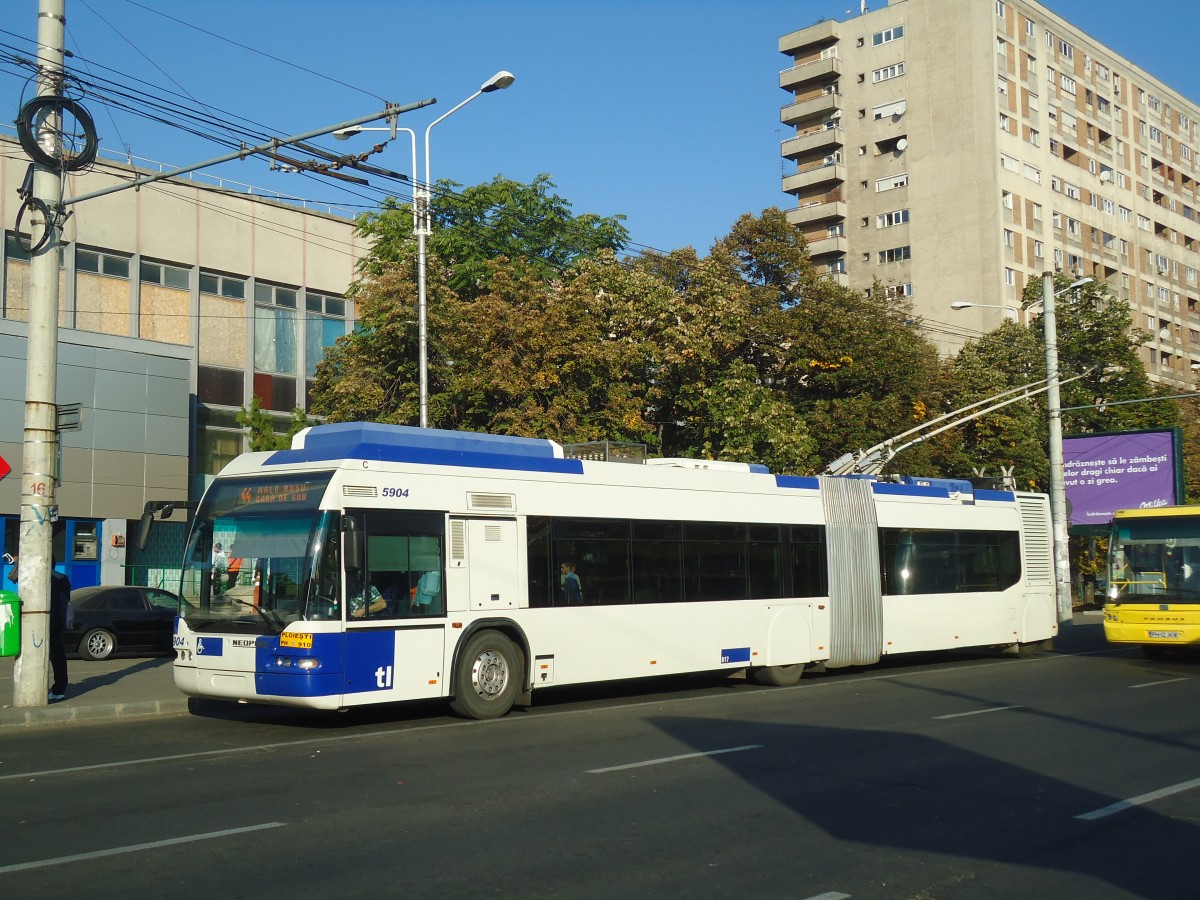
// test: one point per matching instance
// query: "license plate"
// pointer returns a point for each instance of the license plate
(1165, 635)
(296, 639)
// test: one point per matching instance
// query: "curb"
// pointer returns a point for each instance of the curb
(73, 715)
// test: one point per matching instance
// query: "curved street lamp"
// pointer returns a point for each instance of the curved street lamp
(1058, 491)
(421, 223)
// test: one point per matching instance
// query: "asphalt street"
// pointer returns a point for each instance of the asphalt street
(963, 775)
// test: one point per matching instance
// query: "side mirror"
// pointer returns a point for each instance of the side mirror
(144, 526)
(352, 543)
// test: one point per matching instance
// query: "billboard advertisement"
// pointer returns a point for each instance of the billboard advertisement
(1123, 470)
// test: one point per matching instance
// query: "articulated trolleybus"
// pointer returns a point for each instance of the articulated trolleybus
(375, 563)
(1154, 579)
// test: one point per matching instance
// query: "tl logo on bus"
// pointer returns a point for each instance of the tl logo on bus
(383, 677)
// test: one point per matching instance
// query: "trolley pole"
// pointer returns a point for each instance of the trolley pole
(38, 503)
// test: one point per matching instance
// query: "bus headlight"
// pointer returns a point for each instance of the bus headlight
(308, 663)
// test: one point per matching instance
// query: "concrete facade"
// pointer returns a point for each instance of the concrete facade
(954, 151)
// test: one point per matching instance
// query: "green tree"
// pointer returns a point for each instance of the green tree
(527, 223)
(1095, 340)
(260, 426)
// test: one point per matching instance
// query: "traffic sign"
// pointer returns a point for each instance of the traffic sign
(5, 468)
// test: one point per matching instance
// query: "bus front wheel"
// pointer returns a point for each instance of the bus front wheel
(488, 677)
(778, 676)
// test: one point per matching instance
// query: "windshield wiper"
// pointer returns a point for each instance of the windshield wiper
(274, 623)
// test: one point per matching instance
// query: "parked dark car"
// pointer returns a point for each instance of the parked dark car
(115, 618)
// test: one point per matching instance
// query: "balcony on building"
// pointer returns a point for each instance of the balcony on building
(820, 69)
(822, 247)
(824, 174)
(825, 138)
(798, 44)
(821, 208)
(823, 105)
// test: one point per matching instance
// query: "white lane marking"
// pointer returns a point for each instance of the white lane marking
(829, 895)
(1157, 683)
(132, 848)
(590, 710)
(976, 712)
(230, 751)
(668, 759)
(1123, 805)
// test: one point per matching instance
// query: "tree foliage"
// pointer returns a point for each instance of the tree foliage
(1098, 364)
(528, 224)
(260, 426)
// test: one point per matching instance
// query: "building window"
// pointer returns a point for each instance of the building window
(1002, 85)
(222, 332)
(887, 73)
(1070, 190)
(1010, 163)
(1000, 8)
(222, 286)
(888, 219)
(895, 254)
(1068, 84)
(1006, 123)
(891, 182)
(101, 292)
(1010, 277)
(1039, 249)
(895, 108)
(164, 303)
(1066, 50)
(1009, 238)
(887, 35)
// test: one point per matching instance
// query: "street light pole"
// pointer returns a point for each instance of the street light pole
(1058, 490)
(421, 208)
(422, 225)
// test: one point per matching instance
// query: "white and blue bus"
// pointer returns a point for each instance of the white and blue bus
(375, 563)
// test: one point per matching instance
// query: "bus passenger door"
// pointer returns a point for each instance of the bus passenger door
(488, 558)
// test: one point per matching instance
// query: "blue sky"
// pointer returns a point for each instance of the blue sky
(666, 111)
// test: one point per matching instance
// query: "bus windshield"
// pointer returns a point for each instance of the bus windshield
(253, 558)
(1155, 560)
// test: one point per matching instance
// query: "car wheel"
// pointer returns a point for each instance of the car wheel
(97, 644)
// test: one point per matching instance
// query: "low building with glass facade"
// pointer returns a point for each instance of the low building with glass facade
(179, 303)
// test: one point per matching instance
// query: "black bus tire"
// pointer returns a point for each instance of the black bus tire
(778, 676)
(487, 676)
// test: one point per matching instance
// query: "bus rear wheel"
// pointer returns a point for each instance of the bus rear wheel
(777, 676)
(487, 676)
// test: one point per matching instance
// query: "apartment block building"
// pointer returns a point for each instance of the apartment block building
(179, 302)
(955, 149)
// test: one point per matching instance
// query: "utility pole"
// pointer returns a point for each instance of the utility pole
(38, 478)
(1058, 491)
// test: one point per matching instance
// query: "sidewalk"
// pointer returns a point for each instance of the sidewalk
(108, 689)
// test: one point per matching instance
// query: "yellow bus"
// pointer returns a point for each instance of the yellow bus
(1154, 579)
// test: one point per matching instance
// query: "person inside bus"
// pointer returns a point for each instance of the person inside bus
(426, 594)
(571, 587)
(365, 599)
(233, 567)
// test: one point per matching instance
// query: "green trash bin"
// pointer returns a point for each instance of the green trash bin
(10, 624)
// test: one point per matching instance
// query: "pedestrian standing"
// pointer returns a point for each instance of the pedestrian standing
(60, 610)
